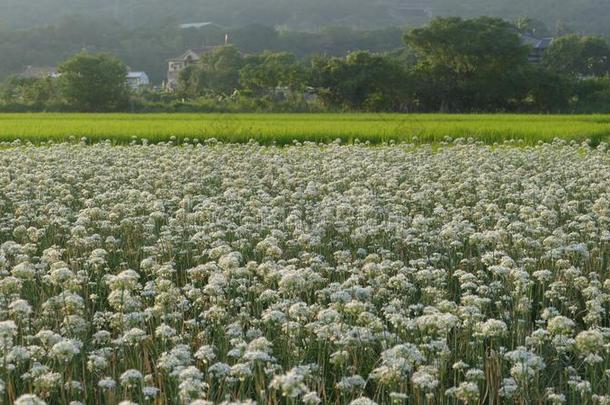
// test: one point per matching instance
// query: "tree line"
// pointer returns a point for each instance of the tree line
(450, 65)
(148, 47)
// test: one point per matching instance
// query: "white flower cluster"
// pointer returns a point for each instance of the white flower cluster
(237, 274)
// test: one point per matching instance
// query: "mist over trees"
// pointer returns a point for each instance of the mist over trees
(145, 33)
(583, 16)
(149, 47)
(293, 13)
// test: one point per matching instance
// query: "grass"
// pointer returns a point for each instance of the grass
(285, 128)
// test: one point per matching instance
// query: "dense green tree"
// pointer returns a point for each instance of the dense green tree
(94, 82)
(592, 95)
(31, 94)
(468, 64)
(40, 92)
(361, 81)
(264, 74)
(579, 56)
(468, 46)
(546, 91)
(217, 73)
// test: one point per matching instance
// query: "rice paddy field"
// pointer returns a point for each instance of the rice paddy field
(284, 129)
(241, 273)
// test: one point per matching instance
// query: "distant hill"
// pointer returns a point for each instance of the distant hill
(290, 13)
(582, 16)
(588, 16)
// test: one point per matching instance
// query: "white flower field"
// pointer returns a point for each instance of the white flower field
(217, 273)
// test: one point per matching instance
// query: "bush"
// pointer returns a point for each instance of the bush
(592, 96)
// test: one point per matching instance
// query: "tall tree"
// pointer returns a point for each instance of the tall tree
(579, 56)
(94, 82)
(466, 61)
(361, 81)
(265, 73)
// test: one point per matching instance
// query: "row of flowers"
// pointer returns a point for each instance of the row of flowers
(306, 274)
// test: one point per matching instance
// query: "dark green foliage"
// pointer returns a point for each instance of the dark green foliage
(148, 47)
(468, 65)
(592, 96)
(266, 78)
(547, 92)
(579, 56)
(216, 74)
(36, 94)
(362, 82)
(267, 72)
(94, 82)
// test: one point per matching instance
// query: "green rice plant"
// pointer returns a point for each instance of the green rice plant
(283, 129)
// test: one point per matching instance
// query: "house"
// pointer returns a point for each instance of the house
(39, 72)
(177, 65)
(137, 80)
(538, 47)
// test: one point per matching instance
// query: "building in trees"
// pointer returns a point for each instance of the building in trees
(538, 47)
(137, 80)
(177, 65)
